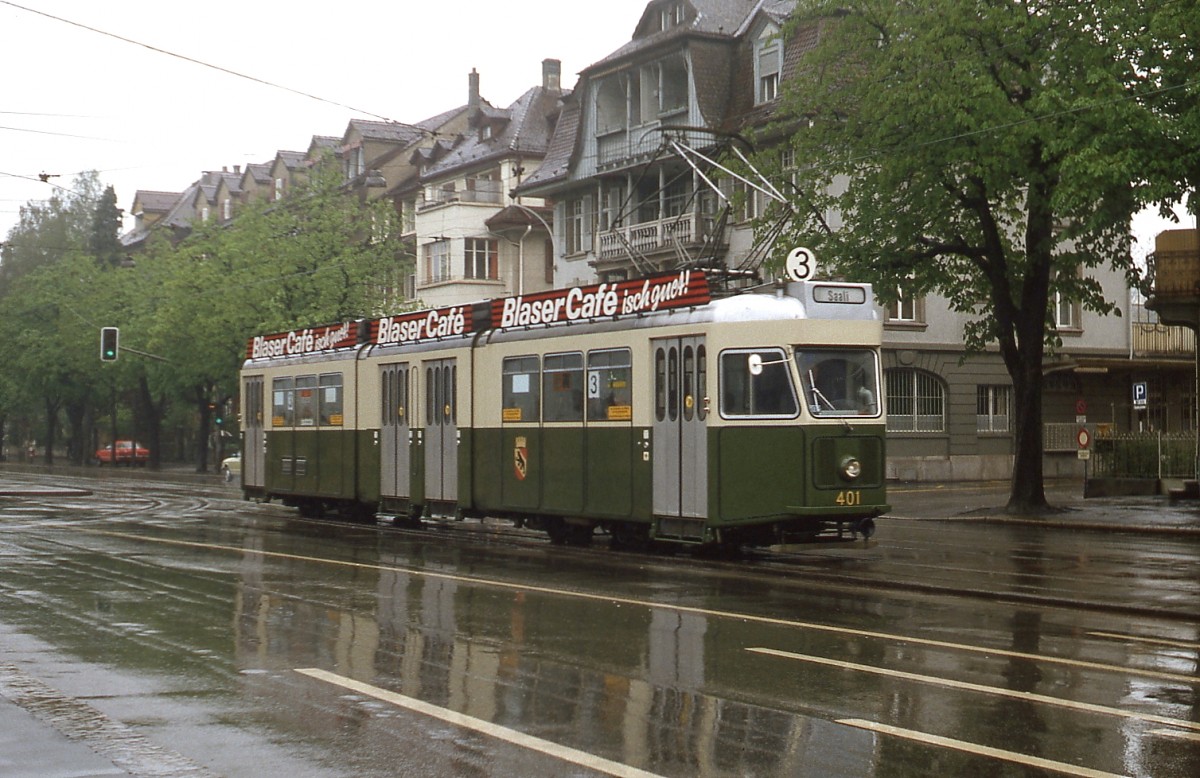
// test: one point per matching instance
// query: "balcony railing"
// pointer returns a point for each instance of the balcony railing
(648, 237)
(1176, 261)
(489, 192)
(623, 146)
(1160, 340)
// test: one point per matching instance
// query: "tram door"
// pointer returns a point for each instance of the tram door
(680, 429)
(394, 429)
(441, 429)
(254, 453)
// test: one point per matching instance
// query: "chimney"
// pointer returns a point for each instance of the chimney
(237, 169)
(473, 90)
(551, 74)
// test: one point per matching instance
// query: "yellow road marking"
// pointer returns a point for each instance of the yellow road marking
(1151, 641)
(973, 748)
(950, 683)
(566, 754)
(614, 600)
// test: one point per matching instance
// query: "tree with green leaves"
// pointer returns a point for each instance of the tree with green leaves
(317, 257)
(49, 291)
(104, 239)
(984, 151)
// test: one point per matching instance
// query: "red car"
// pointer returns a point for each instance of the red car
(128, 453)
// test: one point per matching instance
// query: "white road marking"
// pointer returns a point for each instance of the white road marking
(566, 754)
(614, 600)
(973, 748)
(950, 683)
(1176, 734)
(1150, 641)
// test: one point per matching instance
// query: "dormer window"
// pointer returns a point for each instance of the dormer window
(768, 65)
(485, 132)
(670, 15)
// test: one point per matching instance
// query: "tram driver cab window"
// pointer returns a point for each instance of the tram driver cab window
(839, 382)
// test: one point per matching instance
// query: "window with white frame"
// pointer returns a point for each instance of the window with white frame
(437, 261)
(916, 401)
(278, 189)
(992, 408)
(612, 200)
(573, 226)
(355, 163)
(749, 201)
(480, 259)
(905, 309)
(768, 65)
(1066, 312)
(670, 15)
(408, 217)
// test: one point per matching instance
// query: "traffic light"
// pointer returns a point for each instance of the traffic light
(108, 343)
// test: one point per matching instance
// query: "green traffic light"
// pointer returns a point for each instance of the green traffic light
(109, 337)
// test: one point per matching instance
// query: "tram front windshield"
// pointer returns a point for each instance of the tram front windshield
(839, 382)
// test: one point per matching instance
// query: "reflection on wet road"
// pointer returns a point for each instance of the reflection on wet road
(234, 635)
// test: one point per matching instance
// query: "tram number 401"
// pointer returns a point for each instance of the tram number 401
(849, 498)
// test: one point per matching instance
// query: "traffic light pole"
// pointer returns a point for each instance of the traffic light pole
(113, 413)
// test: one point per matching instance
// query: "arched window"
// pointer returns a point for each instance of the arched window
(916, 401)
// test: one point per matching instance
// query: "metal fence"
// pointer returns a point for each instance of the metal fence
(1145, 455)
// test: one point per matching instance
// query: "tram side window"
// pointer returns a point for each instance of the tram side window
(610, 385)
(757, 383)
(562, 387)
(520, 389)
(283, 402)
(306, 401)
(331, 399)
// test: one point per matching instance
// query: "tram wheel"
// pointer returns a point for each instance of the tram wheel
(630, 537)
(563, 534)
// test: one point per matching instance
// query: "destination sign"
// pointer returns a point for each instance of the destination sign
(828, 293)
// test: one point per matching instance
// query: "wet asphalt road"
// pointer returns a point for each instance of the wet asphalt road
(176, 630)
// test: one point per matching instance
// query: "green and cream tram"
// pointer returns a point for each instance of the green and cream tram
(645, 409)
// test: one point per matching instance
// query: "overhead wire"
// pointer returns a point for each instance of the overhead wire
(211, 66)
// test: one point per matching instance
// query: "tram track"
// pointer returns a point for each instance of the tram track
(807, 567)
(777, 567)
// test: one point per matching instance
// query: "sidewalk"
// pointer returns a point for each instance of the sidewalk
(985, 502)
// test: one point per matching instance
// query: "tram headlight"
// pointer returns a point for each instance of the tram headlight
(851, 468)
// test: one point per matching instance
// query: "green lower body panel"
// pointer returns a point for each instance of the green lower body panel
(596, 472)
(769, 473)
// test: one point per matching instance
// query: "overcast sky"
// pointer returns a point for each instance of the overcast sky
(75, 99)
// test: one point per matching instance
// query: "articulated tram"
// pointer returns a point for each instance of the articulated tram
(647, 409)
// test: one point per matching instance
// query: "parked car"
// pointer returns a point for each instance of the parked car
(129, 452)
(231, 466)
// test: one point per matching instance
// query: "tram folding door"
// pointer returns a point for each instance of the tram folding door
(254, 452)
(395, 476)
(441, 430)
(680, 428)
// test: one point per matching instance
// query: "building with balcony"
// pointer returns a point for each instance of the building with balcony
(474, 238)
(627, 202)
